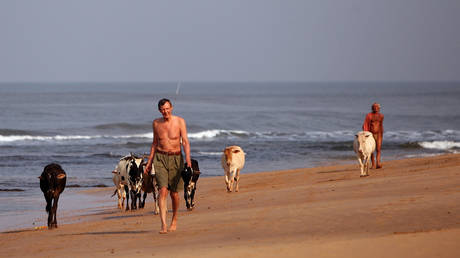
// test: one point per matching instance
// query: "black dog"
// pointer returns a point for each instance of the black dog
(190, 178)
(52, 184)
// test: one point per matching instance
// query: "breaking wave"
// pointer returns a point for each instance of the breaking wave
(63, 138)
(440, 145)
(442, 140)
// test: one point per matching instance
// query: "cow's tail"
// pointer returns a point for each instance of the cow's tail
(115, 192)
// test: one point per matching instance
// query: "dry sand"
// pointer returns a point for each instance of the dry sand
(410, 208)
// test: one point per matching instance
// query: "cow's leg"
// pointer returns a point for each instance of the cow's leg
(48, 208)
(54, 209)
(48, 202)
(133, 200)
(123, 198)
(127, 197)
(186, 197)
(232, 179)
(142, 203)
(139, 195)
(366, 166)
(237, 180)
(119, 195)
(227, 180)
(156, 208)
(192, 196)
(361, 166)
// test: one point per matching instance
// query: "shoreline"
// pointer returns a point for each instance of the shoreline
(407, 209)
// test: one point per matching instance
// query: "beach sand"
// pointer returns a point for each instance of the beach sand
(410, 208)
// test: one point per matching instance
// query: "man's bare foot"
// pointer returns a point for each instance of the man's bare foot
(163, 230)
(379, 166)
(172, 228)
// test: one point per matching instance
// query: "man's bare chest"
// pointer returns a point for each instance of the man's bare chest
(168, 131)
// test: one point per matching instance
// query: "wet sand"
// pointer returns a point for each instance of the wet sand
(410, 208)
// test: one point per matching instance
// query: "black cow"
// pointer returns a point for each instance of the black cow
(52, 184)
(190, 179)
(128, 177)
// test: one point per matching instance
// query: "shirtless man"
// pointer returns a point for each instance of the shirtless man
(374, 124)
(165, 154)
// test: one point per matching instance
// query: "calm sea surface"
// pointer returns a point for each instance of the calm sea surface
(88, 127)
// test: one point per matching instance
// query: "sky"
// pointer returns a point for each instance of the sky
(233, 40)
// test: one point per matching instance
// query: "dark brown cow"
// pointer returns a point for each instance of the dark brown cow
(52, 184)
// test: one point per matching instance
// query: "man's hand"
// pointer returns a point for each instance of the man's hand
(147, 169)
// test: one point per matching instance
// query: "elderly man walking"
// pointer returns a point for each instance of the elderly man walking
(169, 133)
(374, 123)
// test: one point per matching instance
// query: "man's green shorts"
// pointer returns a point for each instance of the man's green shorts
(168, 171)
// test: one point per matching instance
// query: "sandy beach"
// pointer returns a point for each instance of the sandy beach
(410, 208)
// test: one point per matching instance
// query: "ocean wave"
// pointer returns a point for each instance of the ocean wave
(445, 139)
(62, 138)
(209, 153)
(124, 126)
(209, 134)
(440, 145)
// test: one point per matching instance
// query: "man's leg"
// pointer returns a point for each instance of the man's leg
(163, 209)
(175, 206)
(379, 148)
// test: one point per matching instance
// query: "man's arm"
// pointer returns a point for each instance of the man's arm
(185, 142)
(366, 126)
(152, 150)
(381, 126)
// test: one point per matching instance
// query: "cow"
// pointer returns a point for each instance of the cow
(128, 177)
(232, 162)
(190, 179)
(149, 186)
(364, 146)
(52, 184)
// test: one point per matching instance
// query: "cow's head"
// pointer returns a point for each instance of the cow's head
(362, 138)
(229, 155)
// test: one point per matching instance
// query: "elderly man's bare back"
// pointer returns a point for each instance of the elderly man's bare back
(374, 124)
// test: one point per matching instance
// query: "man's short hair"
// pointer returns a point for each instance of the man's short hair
(162, 102)
(375, 104)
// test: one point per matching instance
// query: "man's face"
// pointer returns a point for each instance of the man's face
(375, 108)
(166, 110)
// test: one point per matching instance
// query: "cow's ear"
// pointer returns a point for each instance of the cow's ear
(356, 135)
(236, 151)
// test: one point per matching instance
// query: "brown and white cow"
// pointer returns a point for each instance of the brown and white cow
(232, 162)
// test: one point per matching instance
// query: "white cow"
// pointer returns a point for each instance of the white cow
(232, 163)
(364, 146)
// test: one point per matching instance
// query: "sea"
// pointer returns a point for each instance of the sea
(88, 127)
